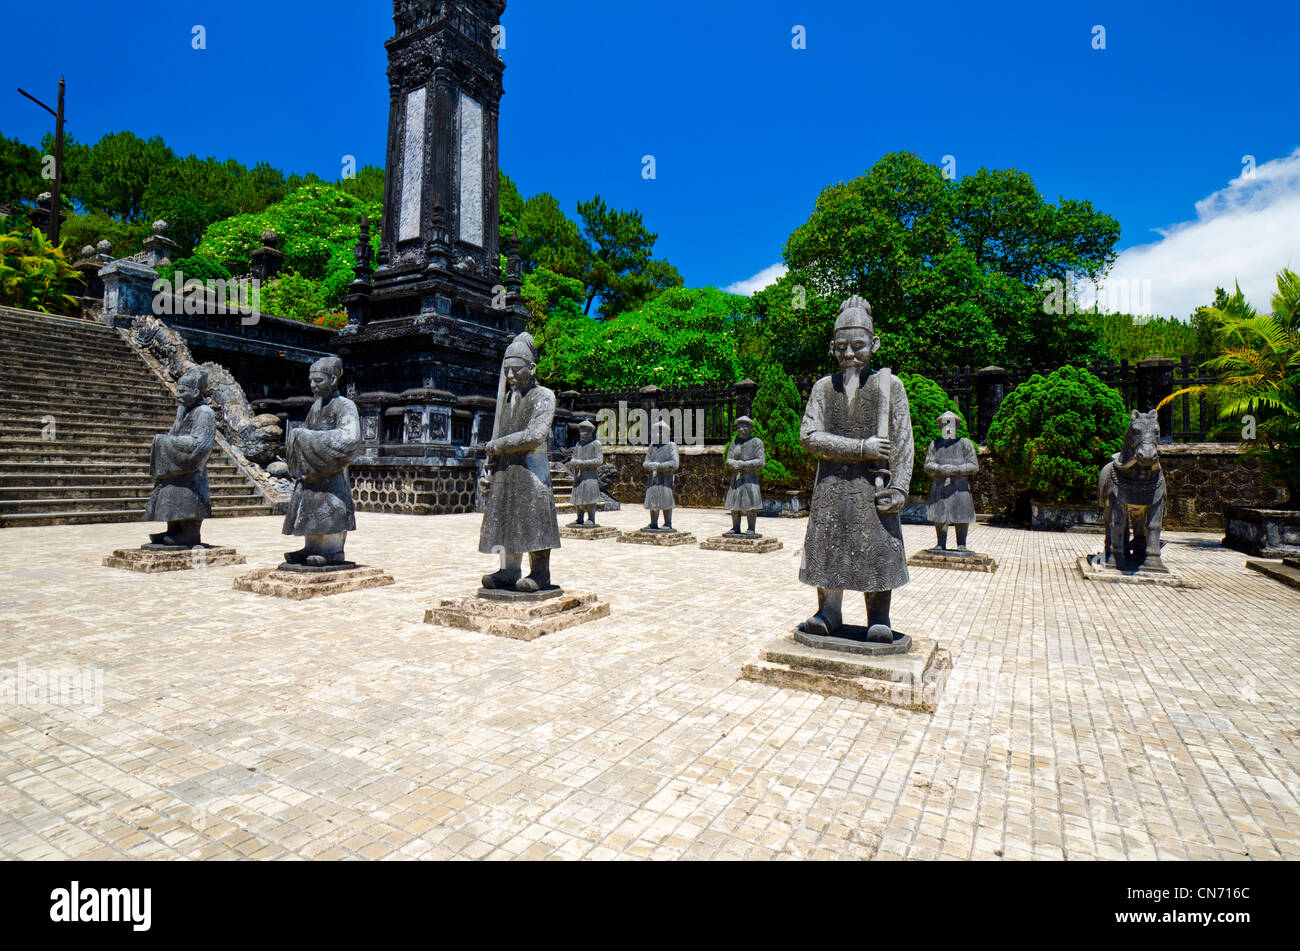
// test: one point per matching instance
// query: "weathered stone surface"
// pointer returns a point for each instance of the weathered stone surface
(755, 546)
(1131, 488)
(953, 558)
(1286, 571)
(151, 561)
(588, 534)
(1270, 533)
(1095, 572)
(913, 681)
(644, 537)
(524, 620)
(700, 481)
(301, 585)
(852, 639)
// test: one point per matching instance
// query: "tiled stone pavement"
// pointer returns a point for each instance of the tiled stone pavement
(1081, 720)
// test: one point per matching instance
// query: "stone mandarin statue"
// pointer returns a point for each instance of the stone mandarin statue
(318, 454)
(951, 462)
(662, 462)
(178, 463)
(519, 515)
(745, 458)
(585, 464)
(858, 425)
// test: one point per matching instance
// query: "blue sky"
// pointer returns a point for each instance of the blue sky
(746, 130)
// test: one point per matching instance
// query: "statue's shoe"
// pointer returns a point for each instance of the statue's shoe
(298, 557)
(317, 561)
(817, 624)
(880, 634)
(501, 579)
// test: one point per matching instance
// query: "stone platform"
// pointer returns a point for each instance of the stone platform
(518, 615)
(1286, 571)
(1095, 572)
(756, 544)
(300, 582)
(166, 558)
(644, 536)
(590, 534)
(952, 558)
(912, 680)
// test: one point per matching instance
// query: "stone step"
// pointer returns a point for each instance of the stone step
(90, 334)
(110, 379)
(70, 505)
(41, 493)
(50, 390)
(56, 349)
(217, 464)
(73, 428)
(18, 413)
(28, 361)
(107, 410)
(121, 515)
(52, 481)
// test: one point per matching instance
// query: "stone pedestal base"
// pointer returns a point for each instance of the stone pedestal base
(157, 558)
(644, 536)
(300, 582)
(591, 534)
(1286, 571)
(953, 558)
(518, 615)
(913, 680)
(1095, 572)
(756, 544)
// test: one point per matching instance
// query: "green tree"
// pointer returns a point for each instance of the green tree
(194, 193)
(777, 412)
(549, 239)
(619, 271)
(796, 324)
(1054, 433)
(113, 175)
(954, 270)
(20, 173)
(928, 401)
(1259, 376)
(510, 205)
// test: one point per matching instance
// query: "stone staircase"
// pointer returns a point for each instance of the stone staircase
(78, 412)
(562, 488)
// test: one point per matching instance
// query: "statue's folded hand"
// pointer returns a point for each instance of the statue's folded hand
(875, 447)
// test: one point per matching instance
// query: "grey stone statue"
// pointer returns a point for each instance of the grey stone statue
(1131, 490)
(858, 425)
(519, 515)
(745, 459)
(318, 454)
(178, 463)
(588, 456)
(662, 462)
(951, 462)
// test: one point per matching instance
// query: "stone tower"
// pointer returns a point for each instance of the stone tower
(440, 311)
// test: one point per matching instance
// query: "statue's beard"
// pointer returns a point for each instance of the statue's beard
(854, 376)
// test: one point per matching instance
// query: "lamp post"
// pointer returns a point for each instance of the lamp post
(56, 203)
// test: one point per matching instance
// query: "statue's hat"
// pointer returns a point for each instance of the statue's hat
(586, 424)
(744, 419)
(522, 348)
(855, 312)
(947, 414)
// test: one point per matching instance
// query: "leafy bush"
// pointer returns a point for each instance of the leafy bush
(293, 297)
(928, 401)
(35, 274)
(196, 267)
(1055, 432)
(777, 411)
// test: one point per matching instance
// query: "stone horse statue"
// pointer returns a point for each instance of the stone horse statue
(1131, 492)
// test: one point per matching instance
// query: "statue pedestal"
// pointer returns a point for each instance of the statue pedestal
(953, 558)
(755, 544)
(644, 536)
(300, 582)
(912, 678)
(155, 558)
(590, 534)
(1095, 572)
(518, 615)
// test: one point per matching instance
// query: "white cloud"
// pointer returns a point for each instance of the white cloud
(764, 278)
(1243, 233)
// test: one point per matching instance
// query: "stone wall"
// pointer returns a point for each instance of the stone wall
(413, 490)
(1200, 478)
(701, 480)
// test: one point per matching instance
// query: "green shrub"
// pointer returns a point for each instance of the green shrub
(927, 400)
(36, 275)
(293, 297)
(1055, 432)
(777, 411)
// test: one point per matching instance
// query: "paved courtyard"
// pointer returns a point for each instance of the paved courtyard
(1081, 720)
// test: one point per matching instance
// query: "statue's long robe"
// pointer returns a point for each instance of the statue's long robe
(662, 462)
(178, 463)
(849, 544)
(585, 465)
(745, 459)
(520, 512)
(318, 453)
(951, 502)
